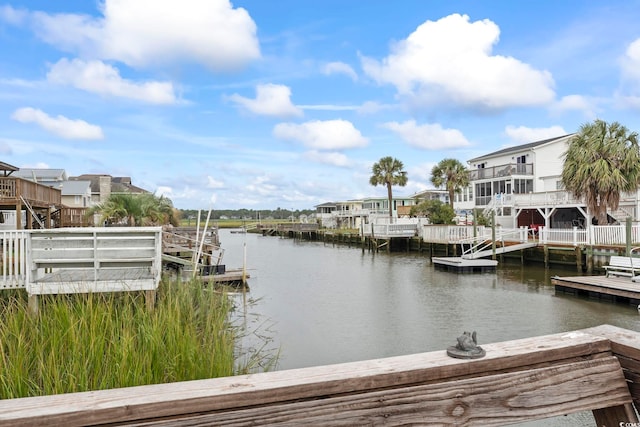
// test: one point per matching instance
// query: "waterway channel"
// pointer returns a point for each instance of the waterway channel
(323, 303)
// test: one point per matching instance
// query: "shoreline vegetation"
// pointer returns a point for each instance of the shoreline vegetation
(96, 341)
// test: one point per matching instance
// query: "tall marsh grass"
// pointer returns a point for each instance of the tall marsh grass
(99, 341)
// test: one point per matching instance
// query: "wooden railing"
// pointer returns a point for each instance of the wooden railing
(11, 189)
(594, 369)
(72, 217)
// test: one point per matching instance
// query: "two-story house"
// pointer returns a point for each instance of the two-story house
(522, 186)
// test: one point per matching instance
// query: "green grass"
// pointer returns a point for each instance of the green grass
(109, 340)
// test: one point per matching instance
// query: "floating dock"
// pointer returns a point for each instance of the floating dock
(464, 265)
(229, 277)
(614, 289)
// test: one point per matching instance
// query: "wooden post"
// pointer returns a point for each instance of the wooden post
(493, 235)
(620, 415)
(579, 258)
(546, 256)
(150, 299)
(33, 304)
(589, 259)
(628, 236)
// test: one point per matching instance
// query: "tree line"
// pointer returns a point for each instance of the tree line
(245, 214)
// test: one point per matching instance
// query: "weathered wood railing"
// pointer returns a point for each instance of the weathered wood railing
(596, 369)
(11, 189)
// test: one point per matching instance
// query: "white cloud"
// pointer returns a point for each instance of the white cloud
(372, 107)
(103, 79)
(60, 125)
(12, 16)
(575, 103)
(213, 183)
(450, 60)
(630, 63)
(141, 33)
(261, 186)
(330, 158)
(340, 68)
(428, 136)
(271, 100)
(322, 135)
(39, 165)
(522, 134)
(164, 191)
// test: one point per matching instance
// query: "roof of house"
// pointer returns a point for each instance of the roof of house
(429, 191)
(40, 175)
(119, 184)
(521, 147)
(326, 205)
(75, 188)
(7, 169)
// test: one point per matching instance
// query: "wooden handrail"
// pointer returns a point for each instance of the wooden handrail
(516, 381)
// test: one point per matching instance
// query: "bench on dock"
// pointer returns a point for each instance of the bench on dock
(622, 266)
(97, 259)
(596, 369)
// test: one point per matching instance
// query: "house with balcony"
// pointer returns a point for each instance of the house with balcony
(522, 186)
(25, 203)
(357, 213)
(324, 214)
(350, 214)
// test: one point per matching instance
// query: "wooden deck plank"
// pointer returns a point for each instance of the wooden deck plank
(317, 383)
(612, 286)
(491, 400)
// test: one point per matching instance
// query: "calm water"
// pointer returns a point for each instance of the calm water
(326, 304)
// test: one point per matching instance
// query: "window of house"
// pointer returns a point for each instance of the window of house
(521, 162)
(522, 186)
(483, 193)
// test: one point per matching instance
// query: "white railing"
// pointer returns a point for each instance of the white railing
(390, 230)
(453, 233)
(14, 260)
(520, 235)
(568, 236)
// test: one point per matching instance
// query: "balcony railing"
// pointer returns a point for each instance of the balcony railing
(501, 171)
(11, 189)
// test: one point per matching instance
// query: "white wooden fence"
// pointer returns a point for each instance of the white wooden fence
(602, 235)
(68, 259)
(13, 258)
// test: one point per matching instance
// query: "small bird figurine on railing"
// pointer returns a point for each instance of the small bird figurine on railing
(467, 347)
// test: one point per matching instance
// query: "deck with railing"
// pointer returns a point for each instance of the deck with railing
(14, 190)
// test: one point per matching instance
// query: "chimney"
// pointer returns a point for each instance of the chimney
(105, 187)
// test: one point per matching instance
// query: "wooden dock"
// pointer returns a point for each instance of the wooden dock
(614, 289)
(464, 265)
(229, 277)
(595, 369)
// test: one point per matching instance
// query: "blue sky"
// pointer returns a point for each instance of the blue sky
(258, 104)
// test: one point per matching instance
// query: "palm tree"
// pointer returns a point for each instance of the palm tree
(388, 171)
(602, 161)
(136, 209)
(451, 174)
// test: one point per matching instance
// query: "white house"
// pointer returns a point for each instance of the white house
(522, 185)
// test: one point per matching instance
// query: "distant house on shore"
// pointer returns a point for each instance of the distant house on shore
(103, 185)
